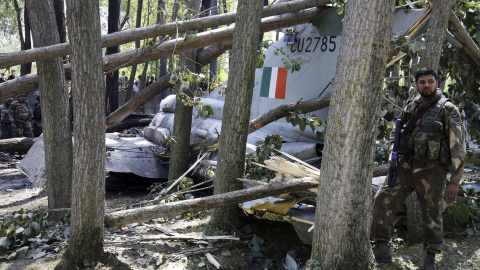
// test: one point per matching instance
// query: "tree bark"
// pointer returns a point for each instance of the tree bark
(29, 83)
(111, 84)
(86, 236)
(456, 27)
(26, 68)
(56, 126)
(119, 218)
(59, 7)
(236, 112)
(182, 123)
(16, 58)
(435, 35)
(214, 63)
(127, 15)
(347, 161)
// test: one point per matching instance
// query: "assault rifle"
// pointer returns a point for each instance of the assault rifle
(398, 146)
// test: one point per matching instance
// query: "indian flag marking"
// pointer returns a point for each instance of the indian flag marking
(274, 82)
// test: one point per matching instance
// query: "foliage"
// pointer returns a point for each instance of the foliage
(382, 152)
(263, 152)
(463, 217)
(17, 228)
(303, 120)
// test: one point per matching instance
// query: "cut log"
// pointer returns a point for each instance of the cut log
(456, 27)
(23, 85)
(21, 145)
(11, 59)
(119, 218)
(129, 123)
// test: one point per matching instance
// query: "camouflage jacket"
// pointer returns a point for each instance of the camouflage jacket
(442, 141)
(21, 111)
(37, 111)
(5, 115)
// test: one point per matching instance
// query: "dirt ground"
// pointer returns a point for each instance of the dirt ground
(184, 242)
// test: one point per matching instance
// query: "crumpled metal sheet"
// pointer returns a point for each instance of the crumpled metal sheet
(134, 155)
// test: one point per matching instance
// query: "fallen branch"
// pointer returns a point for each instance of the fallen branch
(21, 145)
(44, 53)
(177, 237)
(116, 219)
(456, 27)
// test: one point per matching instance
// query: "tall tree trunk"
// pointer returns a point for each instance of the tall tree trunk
(341, 238)
(171, 64)
(26, 68)
(19, 22)
(236, 113)
(111, 84)
(59, 7)
(161, 20)
(127, 15)
(88, 187)
(133, 73)
(214, 63)
(182, 122)
(434, 40)
(56, 126)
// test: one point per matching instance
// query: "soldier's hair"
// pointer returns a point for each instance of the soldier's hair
(425, 71)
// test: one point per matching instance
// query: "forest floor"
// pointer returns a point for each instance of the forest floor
(185, 242)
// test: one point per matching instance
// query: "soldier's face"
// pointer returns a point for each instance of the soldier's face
(21, 98)
(426, 85)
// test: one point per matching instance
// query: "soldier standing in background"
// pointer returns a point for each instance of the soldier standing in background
(37, 116)
(22, 114)
(6, 120)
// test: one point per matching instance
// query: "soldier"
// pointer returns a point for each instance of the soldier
(37, 116)
(22, 114)
(6, 120)
(123, 82)
(434, 146)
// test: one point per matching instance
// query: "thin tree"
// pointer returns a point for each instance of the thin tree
(56, 126)
(236, 113)
(111, 81)
(435, 37)
(26, 68)
(343, 212)
(59, 7)
(183, 113)
(214, 63)
(88, 187)
(133, 72)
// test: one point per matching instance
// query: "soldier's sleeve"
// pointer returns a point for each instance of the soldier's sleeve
(456, 135)
(13, 112)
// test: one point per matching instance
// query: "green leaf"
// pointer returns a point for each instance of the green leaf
(302, 125)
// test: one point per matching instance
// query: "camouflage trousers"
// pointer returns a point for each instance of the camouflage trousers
(23, 128)
(429, 185)
(7, 131)
(37, 127)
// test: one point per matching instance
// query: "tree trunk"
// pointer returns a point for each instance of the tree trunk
(176, 7)
(133, 73)
(230, 199)
(26, 68)
(214, 63)
(111, 84)
(430, 58)
(29, 83)
(341, 238)
(59, 7)
(20, 33)
(435, 35)
(86, 236)
(182, 123)
(56, 126)
(161, 21)
(236, 113)
(10, 59)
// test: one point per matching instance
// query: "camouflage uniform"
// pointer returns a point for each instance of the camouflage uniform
(6, 121)
(436, 145)
(22, 114)
(37, 119)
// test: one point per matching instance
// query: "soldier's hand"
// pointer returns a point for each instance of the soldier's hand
(451, 193)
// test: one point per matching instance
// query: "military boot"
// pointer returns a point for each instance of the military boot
(382, 252)
(429, 262)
